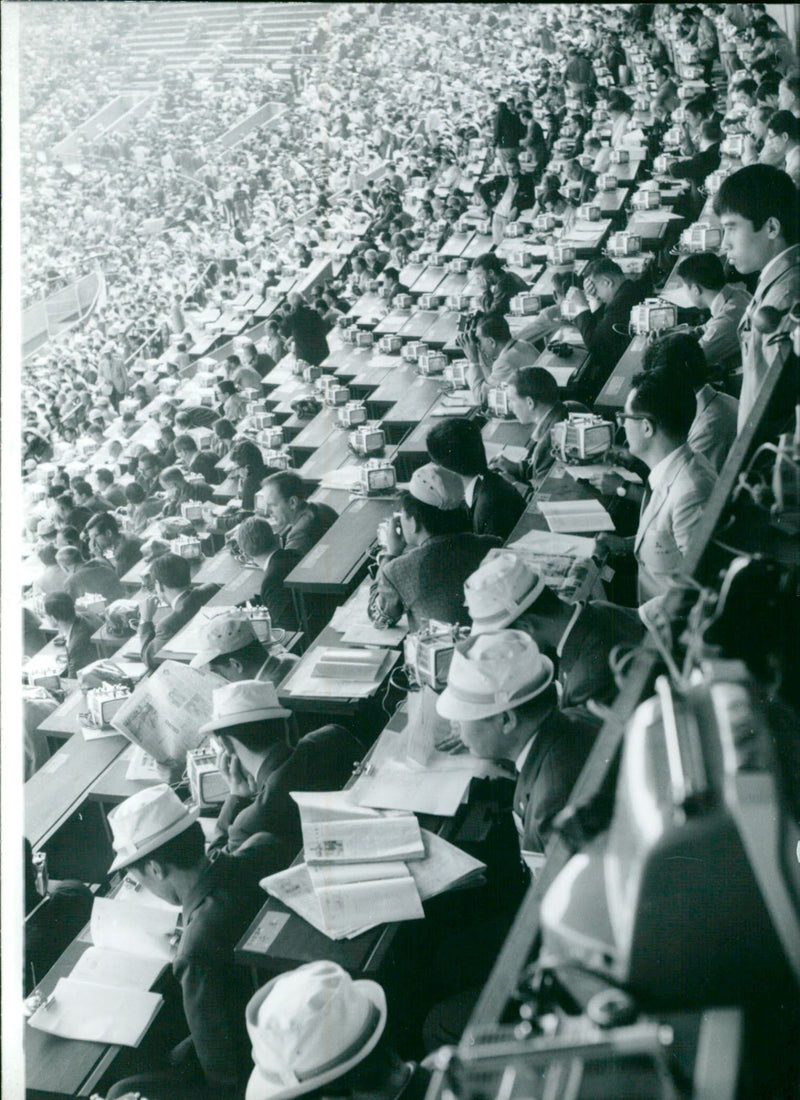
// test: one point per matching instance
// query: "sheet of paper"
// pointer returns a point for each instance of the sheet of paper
(325, 876)
(596, 471)
(97, 1013)
(509, 450)
(398, 787)
(135, 892)
(358, 840)
(137, 929)
(357, 629)
(95, 733)
(330, 806)
(576, 515)
(142, 766)
(444, 867)
(302, 681)
(118, 968)
(544, 542)
(165, 711)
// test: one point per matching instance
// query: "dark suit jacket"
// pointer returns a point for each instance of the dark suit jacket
(94, 576)
(79, 649)
(274, 593)
(428, 581)
(496, 506)
(126, 554)
(322, 761)
(699, 166)
(493, 190)
(583, 668)
(307, 328)
(204, 463)
(605, 334)
(554, 762)
(308, 529)
(152, 637)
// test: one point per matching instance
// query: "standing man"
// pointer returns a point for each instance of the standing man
(307, 330)
(505, 196)
(757, 208)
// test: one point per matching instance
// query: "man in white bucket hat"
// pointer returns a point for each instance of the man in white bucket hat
(316, 1030)
(506, 592)
(261, 768)
(159, 842)
(502, 701)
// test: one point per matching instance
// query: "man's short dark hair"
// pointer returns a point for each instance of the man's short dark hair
(456, 444)
(782, 122)
(758, 192)
(536, 383)
(488, 262)
(60, 606)
(710, 130)
(256, 735)
(246, 454)
(436, 521)
(668, 400)
(680, 354)
(564, 280)
(602, 266)
(185, 443)
(47, 554)
(173, 475)
(134, 493)
(183, 852)
(703, 269)
(81, 486)
(103, 523)
(253, 653)
(494, 326)
(171, 570)
(255, 537)
(288, 484)
(104, 476)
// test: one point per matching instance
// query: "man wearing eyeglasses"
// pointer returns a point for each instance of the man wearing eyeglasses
(658, 414)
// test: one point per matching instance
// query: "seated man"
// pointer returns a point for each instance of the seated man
(705, 160)
(506, 593)
(107, 541)
(195, 461)
(499, 284)
(178, 490)
(113, 495)
(429, 554)
(262, 769)
(298, 523)
(713, 430)
(501, 699)
(534, 399)
(781, 147)
(344, 1049)
(93, 576)
(75, 629)
(233, 651)
(84, 496)
(605, 328)
(258, 542)
(494, 506)
(494, 355)
(703, 277)
(659, 413)
(549, 319)
(506, 196)
(171, 577)
(159, 843)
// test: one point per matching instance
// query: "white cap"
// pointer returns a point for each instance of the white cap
(226, 634)
(244, 701)
(500, 590)
(147, 820)
(432, 484)
(310, 1027)
(493, 673)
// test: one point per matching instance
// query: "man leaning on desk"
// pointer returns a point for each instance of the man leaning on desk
(171, 576)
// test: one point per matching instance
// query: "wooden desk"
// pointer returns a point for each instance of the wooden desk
(562, 369)
(648, 226)
(330, 455)
(501, 432)
(543, 287)
(392, 322)
(558, 485)
(412, 452)
(370, 375)
(392, 389)
(453, 283)
(62, 723)
(410, 273)
(611, 202)
(480, 243)
(456, 243)
(220, 569)
(418, 324)
(444, 330)
(613, 395)
(587, 237)
(59, 787)
(428, 280)
(365, 306)
(418, 398)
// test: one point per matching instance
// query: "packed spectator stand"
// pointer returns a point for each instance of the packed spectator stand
(426, 361)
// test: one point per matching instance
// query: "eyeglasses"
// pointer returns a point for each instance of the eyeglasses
(621, 417)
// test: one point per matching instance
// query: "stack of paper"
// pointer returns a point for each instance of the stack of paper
(105, 998)
(576, 515)
(334, 897)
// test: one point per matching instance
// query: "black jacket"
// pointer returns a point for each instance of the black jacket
(274, 592)
(496, 506)
(493, 190)
(307, 329)
(606, 335)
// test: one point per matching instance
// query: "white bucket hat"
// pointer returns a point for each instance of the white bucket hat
(226, 634)
(147, 820)
(492, 673)
(432, 484)
(499, 591)
(310, 1027)
(244, 701)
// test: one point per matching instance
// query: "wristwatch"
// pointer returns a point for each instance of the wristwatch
(622, 490)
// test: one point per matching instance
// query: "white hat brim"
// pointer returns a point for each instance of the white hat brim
(192, 814)
(450, 706)
(260, 1088)
(240, 717)
(485, 626)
